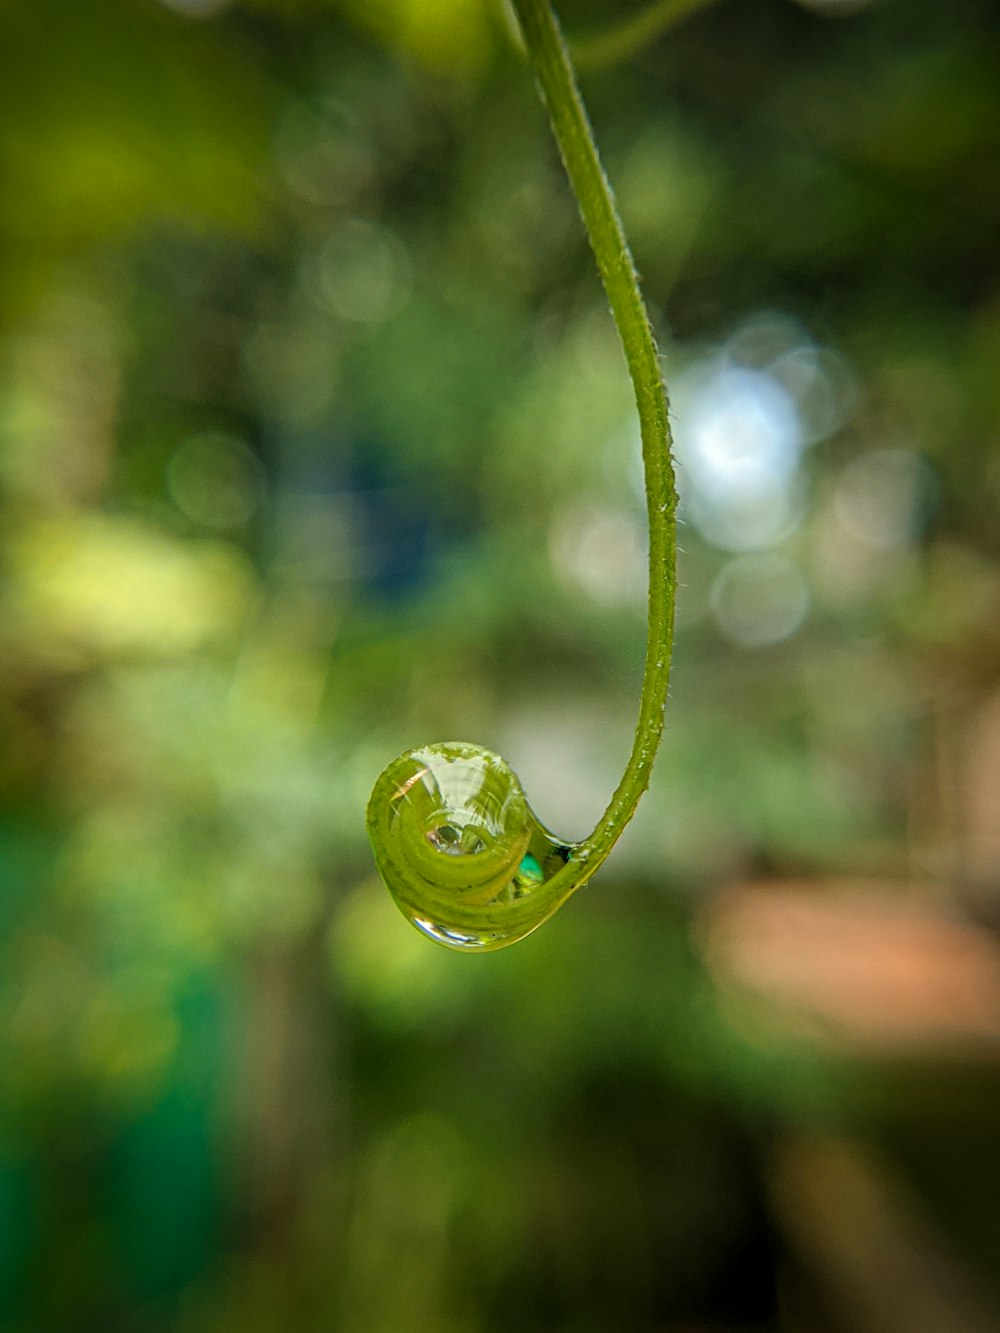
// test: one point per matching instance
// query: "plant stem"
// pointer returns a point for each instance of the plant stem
(553, 70)
(632, 34)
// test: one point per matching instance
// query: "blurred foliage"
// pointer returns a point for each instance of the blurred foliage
(316, 445)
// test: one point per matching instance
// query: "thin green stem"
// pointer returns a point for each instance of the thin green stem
(632, 34)
(553, 70)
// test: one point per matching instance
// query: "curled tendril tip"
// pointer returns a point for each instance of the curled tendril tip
(453, 835)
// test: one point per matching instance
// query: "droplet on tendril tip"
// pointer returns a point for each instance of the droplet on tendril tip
(461, 852)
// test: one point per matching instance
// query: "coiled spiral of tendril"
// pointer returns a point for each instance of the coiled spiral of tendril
(454, 838)
(461, 852)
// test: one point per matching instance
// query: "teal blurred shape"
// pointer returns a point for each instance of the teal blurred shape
(18, 1234)
(163, 1167)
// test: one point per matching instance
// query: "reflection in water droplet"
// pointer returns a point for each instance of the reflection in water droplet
(461, 852)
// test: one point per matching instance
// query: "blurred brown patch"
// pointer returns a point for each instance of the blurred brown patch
(855, 961)
(880, 1260)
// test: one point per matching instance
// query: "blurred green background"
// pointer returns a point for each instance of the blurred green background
(317, 444)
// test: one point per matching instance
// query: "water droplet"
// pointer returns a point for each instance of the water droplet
(461, 852)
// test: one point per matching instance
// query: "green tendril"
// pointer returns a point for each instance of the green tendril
(632, 34)
(453, 835)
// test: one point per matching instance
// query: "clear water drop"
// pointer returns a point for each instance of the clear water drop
(460, 850)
